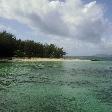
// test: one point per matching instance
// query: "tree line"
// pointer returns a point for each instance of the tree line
(10, 46)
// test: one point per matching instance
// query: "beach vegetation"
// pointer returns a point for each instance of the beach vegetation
(10, 46)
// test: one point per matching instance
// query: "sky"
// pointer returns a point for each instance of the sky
(81, 27)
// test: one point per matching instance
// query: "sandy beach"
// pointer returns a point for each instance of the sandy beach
(43, 59)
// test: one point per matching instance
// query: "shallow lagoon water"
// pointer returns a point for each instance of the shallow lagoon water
(77, 86)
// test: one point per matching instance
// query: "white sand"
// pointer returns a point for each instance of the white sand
(44, 59)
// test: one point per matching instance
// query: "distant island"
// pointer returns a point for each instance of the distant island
(10, 47)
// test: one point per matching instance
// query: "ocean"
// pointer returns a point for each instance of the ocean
(66, 86)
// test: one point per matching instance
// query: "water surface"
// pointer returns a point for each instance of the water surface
(56, 86)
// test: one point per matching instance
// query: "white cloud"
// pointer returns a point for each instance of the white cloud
(75, 24)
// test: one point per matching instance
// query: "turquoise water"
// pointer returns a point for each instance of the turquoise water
(56, 86)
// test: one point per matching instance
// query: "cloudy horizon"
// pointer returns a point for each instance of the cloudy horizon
(81, 27)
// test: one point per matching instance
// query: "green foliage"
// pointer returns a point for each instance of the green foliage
(7, 44)
(11, 47)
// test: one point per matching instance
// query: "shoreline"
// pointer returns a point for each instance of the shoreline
(43, 59)
(38, 59)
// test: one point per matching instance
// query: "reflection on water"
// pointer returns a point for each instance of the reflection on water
(56, 87)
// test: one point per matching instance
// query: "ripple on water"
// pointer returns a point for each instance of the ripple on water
(104, 95)
(56, 87)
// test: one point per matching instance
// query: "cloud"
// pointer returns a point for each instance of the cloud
(47, 25)
(68, 22)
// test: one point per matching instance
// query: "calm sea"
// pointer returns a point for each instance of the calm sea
(78, 86)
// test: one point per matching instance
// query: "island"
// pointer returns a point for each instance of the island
(11, 47)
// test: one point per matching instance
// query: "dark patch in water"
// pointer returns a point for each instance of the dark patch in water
(104, 95)
(82, 83)
(59, 104)
(2, 88)
(5, 83)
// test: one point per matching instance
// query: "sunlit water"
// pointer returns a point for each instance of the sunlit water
(56, 86)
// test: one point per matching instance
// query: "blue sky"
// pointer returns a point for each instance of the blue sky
(81, 27)
(107, 5)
